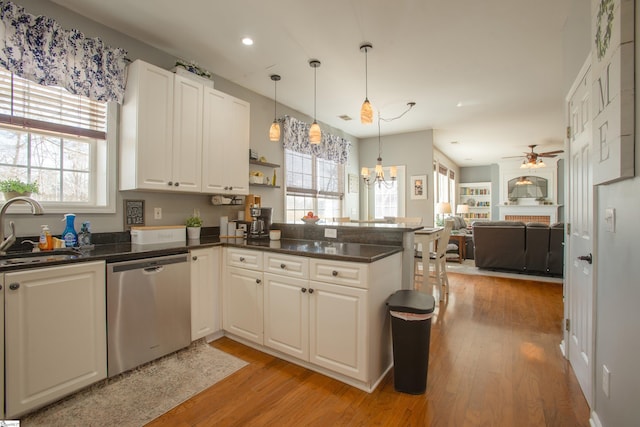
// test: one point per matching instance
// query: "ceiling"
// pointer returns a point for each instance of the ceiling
(486, 75)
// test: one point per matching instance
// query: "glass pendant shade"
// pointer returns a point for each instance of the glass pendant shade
(393, 172)
(364, 172)
(315, 136)
(366, 113)
(274, 131)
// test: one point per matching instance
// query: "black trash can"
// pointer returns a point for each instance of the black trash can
(411, 313)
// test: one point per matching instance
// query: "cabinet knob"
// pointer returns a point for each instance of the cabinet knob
(334, 273)
(258, 281)
(241, 259)
(14, 286)
(0, 287)
(231, 187)
(176, 184)
(170, 183)
(195, 258)
(303, 290)
(226, 187)
(283, 266)
(310, 291)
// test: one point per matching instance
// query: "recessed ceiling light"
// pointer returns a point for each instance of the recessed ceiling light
(345, 117)
(454, 142)
(247, 41)
(460, 104)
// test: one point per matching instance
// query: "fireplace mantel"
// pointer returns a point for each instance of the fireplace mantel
(530, 210)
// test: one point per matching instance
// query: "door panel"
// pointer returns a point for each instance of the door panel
(579, 273)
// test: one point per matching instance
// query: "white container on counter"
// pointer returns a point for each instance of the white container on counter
(158, 234)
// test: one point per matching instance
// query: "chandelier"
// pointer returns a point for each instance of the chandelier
(378, 172)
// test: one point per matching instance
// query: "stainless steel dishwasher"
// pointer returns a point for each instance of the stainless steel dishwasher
(148, 310)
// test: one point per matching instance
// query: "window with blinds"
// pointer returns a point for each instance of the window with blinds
(57, 139)
(48, 108)
(312, 184)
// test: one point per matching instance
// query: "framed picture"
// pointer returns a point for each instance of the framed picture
(353, 183)
(418, 187)
(133, 213)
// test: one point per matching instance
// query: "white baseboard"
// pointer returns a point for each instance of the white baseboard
(594, 421)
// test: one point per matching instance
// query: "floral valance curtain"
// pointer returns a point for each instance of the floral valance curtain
(332, 147)
(37, 48)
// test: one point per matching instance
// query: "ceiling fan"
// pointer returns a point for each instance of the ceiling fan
(533, 160)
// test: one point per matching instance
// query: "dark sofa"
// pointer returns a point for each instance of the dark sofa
(512, 245)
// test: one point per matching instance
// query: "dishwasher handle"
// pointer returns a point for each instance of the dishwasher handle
(153, 270)
(149, 265)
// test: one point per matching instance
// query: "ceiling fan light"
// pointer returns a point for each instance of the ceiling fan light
(274, 131)
(541, 164)
(366, 112)
(315, 135)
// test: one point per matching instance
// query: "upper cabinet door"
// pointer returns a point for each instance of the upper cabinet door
(146, 129)
(187, 134)
(225, 168)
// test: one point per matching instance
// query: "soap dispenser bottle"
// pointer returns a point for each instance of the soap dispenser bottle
(46, 240)
(84, 237)
(69, 234)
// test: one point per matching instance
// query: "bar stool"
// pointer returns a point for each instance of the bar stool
(438, 260)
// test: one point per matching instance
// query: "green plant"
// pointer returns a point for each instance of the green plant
(13, 185)
(194, 220)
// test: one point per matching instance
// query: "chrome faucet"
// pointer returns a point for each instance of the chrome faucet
(36, 209)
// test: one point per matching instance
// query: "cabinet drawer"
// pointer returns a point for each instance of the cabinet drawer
(286, 265)
(339, 272)
(244, 258)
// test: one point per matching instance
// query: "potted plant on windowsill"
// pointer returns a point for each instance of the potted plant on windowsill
(194, 224)
(13, 187)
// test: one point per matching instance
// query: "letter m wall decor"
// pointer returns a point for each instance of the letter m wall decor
(612, 91)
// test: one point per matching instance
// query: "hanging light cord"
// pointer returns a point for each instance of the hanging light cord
(366, 74)
(275, 97)
(315, 88)
(390, 119)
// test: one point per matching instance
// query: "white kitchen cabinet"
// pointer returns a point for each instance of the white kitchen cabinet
(205, 292)
(161, 131)
(286, 315)
(55, 338)
(146, 129)
(187, 134)
(178, 135)
(225, 144)
(338, 328)
(243, 304)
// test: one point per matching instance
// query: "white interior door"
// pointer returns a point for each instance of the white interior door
(579, 292)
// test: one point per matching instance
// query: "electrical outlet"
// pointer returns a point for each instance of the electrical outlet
(157, 213)
(606, 379)
(331, 233)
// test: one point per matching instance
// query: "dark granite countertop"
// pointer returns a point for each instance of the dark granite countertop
(125, 251)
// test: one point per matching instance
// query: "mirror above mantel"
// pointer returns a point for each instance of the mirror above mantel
(532, 187)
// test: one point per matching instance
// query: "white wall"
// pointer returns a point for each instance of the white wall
(616, 267)
(413, 150)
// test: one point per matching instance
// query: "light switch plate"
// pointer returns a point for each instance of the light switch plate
(606, 378)
(610, 220)
(331, 233)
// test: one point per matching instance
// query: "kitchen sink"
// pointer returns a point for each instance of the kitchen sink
(37, 257)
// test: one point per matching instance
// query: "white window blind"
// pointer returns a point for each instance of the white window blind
(52, 109)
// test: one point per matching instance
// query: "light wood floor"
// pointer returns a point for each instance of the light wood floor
(494, 361)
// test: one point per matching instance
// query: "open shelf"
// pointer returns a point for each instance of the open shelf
(267, 164)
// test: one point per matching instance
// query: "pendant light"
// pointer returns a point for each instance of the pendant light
(315, 136)
(366, 112)
(274, 130)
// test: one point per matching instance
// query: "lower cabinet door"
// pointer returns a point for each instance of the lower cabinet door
(55, 334)
(338, 328)
(243, 304)
(286, 315)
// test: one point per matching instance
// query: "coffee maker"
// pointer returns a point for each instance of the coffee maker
(257, 218)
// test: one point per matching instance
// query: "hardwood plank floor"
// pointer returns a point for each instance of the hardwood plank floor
(494, 361)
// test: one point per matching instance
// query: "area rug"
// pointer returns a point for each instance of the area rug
(143, 394)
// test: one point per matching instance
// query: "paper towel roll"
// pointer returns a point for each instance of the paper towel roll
(224, 224)
(231, 229)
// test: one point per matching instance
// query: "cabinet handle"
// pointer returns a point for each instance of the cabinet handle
(170, 183)
(195, 258)
(334, 273)
(0, 287)
(14, 286)
(310, 291)
(283, 266)
(258, 281)
(176, 184)
(304, 290)
(241, 259)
